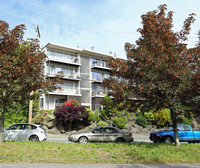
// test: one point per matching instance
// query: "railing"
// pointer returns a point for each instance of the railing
(98, 108)
(99, 93)
(63, 59)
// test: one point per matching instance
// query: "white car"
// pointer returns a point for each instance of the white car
(25, 132)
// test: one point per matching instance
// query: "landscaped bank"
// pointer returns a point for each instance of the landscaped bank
(48, 152)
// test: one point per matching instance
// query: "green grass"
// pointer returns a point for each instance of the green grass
(118, 153)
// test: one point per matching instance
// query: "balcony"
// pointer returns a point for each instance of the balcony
(75, 77)
(99, 93)
(62, 59)
(66, 92)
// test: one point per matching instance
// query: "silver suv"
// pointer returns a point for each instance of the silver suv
(25, 132)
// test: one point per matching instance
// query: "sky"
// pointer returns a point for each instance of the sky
(102, 25)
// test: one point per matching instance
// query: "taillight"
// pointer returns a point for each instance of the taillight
(42, 132)
(130, 134)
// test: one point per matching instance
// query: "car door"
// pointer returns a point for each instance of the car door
(185, 133)
(98, 134)
(111, 134)
(12, 132)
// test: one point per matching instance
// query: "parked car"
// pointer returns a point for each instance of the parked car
(102, 134)
(185, 132)
(25, 132)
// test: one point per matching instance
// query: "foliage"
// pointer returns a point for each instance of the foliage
(185, 120)
(120, 122)
(72, 101)
(149, 116)
(39, 117)
(17, 112)
(162, 117)
(102, 123)
(142, 121)
(93, 116)
(20, 69)
(70, 114)
(161, 72)
(113, 112)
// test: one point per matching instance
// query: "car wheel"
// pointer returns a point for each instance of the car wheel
(34, 138)
(168, 139)
(83, 140)
(120, 140)
(155, 141)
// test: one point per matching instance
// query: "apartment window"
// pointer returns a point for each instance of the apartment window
(95, 62)
(96, 76)
(104, 63)
(51, 53)
(41, 102)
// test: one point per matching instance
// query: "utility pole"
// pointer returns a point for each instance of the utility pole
(31, 101)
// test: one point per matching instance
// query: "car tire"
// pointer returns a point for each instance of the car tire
(34, 138)
(168, 139)
(83, 140)
(120, 140)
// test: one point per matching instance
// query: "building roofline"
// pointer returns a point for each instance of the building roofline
(80, 51)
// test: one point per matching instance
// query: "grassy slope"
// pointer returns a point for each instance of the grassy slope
(48, 152)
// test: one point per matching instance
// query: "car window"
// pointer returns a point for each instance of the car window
(181, 128)
(111, 130)
(186, 128)
(15, 127)
(30, 127)
(102, 130)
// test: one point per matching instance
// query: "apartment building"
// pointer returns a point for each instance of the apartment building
(84, 71)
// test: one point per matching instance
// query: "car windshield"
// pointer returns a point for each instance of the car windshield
(90, 130)
(167, 129)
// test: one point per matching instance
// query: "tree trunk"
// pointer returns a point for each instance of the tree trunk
(2, 124)
(174, 124)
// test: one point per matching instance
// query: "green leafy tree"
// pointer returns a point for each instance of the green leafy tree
(160, 71)
(21, 65)
(114, 112)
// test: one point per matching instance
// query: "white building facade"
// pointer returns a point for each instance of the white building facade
(84, 71)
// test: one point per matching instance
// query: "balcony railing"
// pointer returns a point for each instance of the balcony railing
(63, 59)
(99, 93)
(75, 76)
(67, 91)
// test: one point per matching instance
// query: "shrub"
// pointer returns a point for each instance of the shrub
(38, 117)
(93, 116)
(69, 114)
(162, 117)
(102, 123)
(185, 120)
(149, 116)
(120, 122)
(142, 121)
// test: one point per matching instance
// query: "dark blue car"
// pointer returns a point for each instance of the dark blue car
(185, 132)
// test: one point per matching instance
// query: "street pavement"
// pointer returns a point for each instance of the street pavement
(2, 165)
(63, 138)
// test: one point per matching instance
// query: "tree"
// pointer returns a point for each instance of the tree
(160, 71)
(21, 65)
(69, 113)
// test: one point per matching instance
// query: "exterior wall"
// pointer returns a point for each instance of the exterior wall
(83, 71)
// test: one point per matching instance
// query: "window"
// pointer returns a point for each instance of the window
(96, 76)
(50, 53)
(186, 128)
(95, 62)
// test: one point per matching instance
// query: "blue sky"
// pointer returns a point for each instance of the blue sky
(105, 24)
